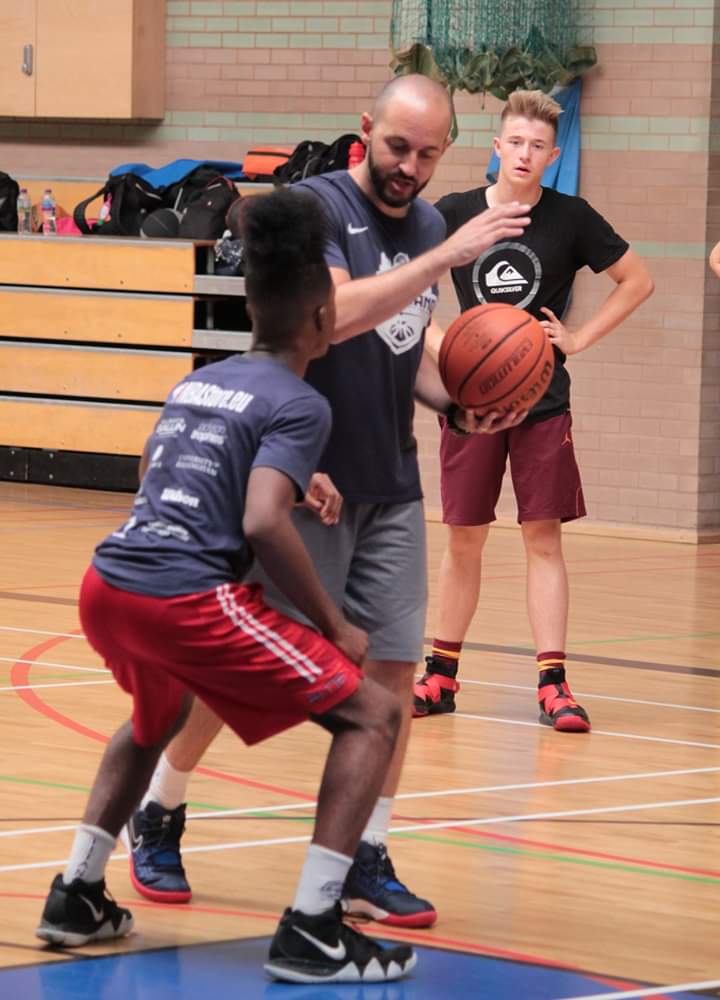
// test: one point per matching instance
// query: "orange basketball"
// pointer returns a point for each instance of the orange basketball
(496, 357)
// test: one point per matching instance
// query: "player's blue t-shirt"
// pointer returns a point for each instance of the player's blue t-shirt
(370, 379)
(185, 533)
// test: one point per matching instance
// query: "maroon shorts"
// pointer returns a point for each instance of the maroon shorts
(260, 671)
(544, 472)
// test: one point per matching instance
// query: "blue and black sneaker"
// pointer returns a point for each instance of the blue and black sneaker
(372, 892)
(156, 869)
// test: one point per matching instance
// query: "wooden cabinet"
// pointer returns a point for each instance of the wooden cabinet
(82, 59)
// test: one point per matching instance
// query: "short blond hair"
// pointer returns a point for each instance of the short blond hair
(533, 105)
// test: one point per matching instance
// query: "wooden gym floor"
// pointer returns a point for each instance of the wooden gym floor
(561, 866)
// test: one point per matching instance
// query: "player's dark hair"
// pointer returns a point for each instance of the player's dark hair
(285, 271)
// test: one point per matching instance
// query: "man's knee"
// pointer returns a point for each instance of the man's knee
(543, 538)
(373, 709)
(467, 542)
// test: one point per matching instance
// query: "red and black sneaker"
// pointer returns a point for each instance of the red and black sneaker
(434, 693)
(559, 709)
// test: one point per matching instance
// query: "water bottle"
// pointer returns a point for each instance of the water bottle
(48, 213)
(24, 212)
(356, 154)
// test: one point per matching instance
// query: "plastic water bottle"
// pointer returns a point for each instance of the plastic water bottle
(48, 213)
(24, 212)
(356, 154)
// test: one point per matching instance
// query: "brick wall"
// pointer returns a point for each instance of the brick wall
(646, 401)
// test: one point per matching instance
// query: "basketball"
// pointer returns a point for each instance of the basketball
(496, 357)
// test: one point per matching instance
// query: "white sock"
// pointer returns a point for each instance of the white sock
(376, 831)
(167, 785)
(321, 880)
(90, 852)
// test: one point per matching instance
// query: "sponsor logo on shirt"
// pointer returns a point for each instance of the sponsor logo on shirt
(198, 463)
(170, 427)
(507, 272)
(212, 396)
(174, 494)
(403, 331)
(164, 530)
(212, 432)
(155, 462)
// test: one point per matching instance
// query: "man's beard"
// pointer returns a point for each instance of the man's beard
(380, 178)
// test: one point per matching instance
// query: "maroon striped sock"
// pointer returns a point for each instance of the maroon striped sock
(446, 655)
(552, 668)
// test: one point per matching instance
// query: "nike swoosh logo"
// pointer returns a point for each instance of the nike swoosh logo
(98, 914)
(135, 839)
(353, 230)
(336, 952)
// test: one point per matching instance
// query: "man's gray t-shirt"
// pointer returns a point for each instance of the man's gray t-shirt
(370, 379)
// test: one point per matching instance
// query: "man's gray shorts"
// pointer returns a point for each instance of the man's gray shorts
(373, 564)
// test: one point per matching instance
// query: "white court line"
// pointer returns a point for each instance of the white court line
(412, 828)
(40, 631)
(292, 806)
(310, 804)
(647, 991)
(59, 684)
(49, 663)
(596, 732)
(601, 697)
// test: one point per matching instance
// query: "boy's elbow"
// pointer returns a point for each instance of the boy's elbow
(258, 526)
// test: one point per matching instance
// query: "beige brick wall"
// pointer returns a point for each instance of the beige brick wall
(646, 401)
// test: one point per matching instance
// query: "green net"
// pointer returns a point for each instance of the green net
(486, 45)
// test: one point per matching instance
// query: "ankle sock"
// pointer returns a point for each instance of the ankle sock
(90, 852)
(552, 668)
(376, 828)
(168, 786)
(446, 655)
(321, 880)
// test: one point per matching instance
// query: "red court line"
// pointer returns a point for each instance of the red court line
(587, 854)
(425, 938)
(20, 677)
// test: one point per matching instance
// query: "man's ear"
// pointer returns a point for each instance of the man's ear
(366, 126)
(554, 155)
(496, 145)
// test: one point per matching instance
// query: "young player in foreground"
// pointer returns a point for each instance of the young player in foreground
(162, 603)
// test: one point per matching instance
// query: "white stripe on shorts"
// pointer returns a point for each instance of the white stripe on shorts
(267, 637)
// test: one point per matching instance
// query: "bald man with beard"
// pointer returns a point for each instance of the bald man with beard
(386, 251)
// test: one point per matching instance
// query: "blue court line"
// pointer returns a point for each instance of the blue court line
(234, 969)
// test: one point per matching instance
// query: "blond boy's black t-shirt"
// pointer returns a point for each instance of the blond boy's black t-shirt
(536, 269)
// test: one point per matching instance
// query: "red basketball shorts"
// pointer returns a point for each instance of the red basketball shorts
(260, 671)
(545, 475)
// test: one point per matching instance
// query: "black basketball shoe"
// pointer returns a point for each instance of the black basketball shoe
(322, 949)
(372, 891)
(81, 912)
(434, 693)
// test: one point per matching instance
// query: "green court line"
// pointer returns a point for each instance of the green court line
(644, 638)
(428, 838)
(43, 784)
(565, 858)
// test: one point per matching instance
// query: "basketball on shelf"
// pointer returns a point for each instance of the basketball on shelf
(496, 357)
